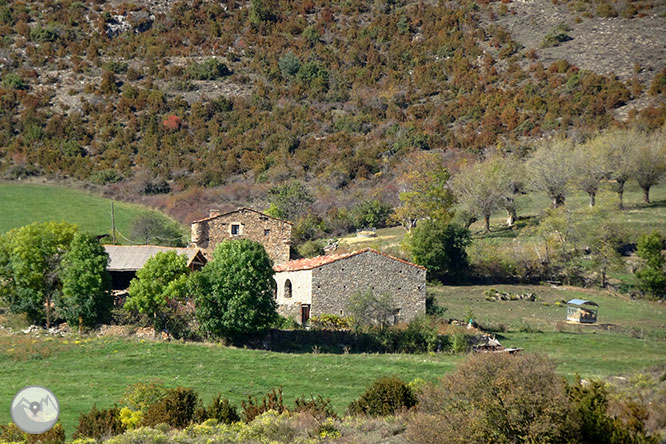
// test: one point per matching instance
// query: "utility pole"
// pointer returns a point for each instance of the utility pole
(113, 224)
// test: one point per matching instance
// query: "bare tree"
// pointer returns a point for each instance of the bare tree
(589, 166)
(550, 169)
(475, 186)
(648, 161)
(619, 144)
(508, 176)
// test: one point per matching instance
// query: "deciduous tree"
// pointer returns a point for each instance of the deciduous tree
(589, 167)
(651, 275)
(158, 286)
(440, 247)
(619, 144)
(288, 201)
(85, 282)
(234, 291)
(30, 261)
(648, 161)
(151, 228)
(550, 168)
(425, 190)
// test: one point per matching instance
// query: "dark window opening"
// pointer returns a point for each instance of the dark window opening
(267, 232)
(235, 230)
(287, 288)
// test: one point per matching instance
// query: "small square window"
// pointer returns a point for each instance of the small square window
(235, 230)
(267, 232)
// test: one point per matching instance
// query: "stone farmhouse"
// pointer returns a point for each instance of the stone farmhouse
(324, 284)
(243, 223)
(126, 260)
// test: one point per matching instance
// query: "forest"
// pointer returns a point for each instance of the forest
(192, 102)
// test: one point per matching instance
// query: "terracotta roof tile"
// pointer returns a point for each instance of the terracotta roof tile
(318, 261)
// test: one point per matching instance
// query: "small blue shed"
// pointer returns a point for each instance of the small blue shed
(580, 311)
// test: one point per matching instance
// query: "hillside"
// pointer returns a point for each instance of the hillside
(23, 204)
(215, 102)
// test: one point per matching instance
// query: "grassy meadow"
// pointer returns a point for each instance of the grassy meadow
(23, 204)
(97, 370)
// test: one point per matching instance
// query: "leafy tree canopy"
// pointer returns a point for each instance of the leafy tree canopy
(440, 247)
(162, 280)
(85, 281)
(29, 260)
(234, 292)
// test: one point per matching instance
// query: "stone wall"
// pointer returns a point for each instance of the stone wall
(333, 284)
(273, 234)
(301, 292)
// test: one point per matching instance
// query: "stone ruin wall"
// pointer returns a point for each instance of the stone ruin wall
(335, 283)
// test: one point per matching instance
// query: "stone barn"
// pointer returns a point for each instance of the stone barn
(126, 260)
(324, 284)
(243, 223)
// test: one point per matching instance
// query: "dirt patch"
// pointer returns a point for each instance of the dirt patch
(602, 45)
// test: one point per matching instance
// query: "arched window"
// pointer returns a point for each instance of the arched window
(287, 288)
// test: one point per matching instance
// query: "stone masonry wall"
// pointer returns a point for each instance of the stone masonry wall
(273, 234)
(333, 284)
(301, 292)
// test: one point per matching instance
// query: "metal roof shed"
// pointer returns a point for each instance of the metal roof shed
(580, 311)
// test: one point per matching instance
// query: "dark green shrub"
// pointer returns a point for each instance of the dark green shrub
(432, 308)
(271, 401)
(594, 425)
(221, 410)
(115, 67)
(371, 213)
(99, 424)
(177, 409)
(41, 35)
(557, 36)
(440, 247)
(421, 335)
(13, 81)
(210, 69)
(289, 64)
(310, 248)
(54, 436)
(285, 323)
(105, 176)
(384, 397)
(318, 407)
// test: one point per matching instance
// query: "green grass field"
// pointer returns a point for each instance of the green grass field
(91, 371)
(98, 370)
(618, 310)
(23, 204)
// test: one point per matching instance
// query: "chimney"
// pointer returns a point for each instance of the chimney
(213, 213)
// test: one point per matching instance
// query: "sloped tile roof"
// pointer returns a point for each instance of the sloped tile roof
(318, 261)
(134, 257)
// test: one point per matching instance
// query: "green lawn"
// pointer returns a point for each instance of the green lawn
(23, 204)
(99, 370)
(618, 310)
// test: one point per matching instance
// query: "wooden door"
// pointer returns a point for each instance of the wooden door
(305, 313)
